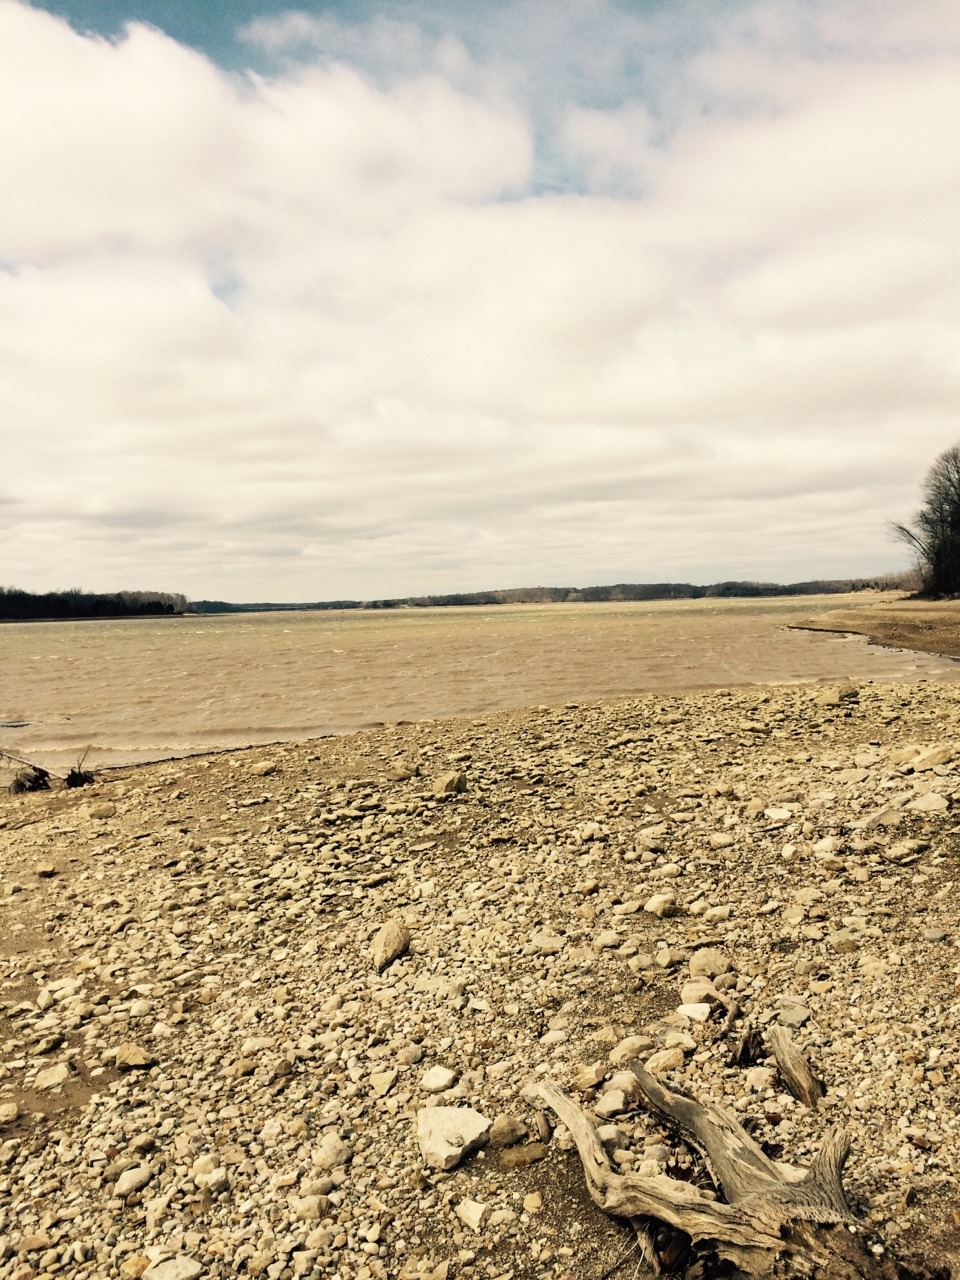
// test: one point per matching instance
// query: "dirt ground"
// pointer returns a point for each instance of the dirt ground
(923, 625)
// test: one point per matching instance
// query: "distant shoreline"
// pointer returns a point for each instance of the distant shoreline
(75, 605)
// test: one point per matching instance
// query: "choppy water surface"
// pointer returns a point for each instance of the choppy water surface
(147, 688)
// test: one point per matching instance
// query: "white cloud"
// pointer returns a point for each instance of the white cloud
(320, 331)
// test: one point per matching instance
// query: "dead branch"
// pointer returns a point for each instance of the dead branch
(772, 1219)
(795, 1071)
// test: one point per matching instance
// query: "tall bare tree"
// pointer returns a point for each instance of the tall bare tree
(934, 533)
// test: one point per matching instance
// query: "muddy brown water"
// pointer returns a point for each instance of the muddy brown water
(141, 689)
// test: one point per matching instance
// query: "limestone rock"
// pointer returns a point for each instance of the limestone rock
(929, 802)
(709, 962)
(661, 905)
(52, 1076)
(180, 1267)
(473, 1213)
(133, 1179)
(438, 1080)
(448, 1134)
(506, 1131)
(130, 1056)
(390, 942)
(548, 943)
(331, 1152)
(659, 1064)
(630, 1047)
(450, 784)
(523, 1156)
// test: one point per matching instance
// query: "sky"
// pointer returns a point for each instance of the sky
(358, 300)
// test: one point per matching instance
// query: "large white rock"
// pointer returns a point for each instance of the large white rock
(391, 941)
(134, 1179)
(179, 1268)
(661, 905)
(447, 1134)
(331, 1152)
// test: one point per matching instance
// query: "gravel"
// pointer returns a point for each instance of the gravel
(233, 986)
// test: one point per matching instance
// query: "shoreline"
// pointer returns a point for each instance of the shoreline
(432, 679)
(217, 913)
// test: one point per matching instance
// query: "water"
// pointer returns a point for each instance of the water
(140, 689)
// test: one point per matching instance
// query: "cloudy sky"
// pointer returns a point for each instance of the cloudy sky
(395, 296)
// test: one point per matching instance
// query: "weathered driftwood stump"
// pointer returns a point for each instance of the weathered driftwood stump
(768, 1220)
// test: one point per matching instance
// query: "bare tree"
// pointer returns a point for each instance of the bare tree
(934, 535)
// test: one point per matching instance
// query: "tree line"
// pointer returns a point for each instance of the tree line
(20, 606)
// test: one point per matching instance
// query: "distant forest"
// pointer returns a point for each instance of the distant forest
(16, 605)
(563, 595)
(24, 606)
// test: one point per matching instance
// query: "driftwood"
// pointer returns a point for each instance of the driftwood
(794, 1069)
(772, 1219)
(31, 777)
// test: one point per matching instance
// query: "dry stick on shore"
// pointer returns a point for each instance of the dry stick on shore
(795, 1071)
(775, 1221)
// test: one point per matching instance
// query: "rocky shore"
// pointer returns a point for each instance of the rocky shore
(242, 994)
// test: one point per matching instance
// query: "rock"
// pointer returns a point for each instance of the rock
(659, 1064)
(402, 770)
(630, 1047)
(661, 905)
(547, 943)
(607, 939)
(930, 802)
(612, 1102)
(836, 695)
(794, 1015)
(449, 784)
(52, 1077)
(133, 1179)
(612, 1137)
(696, 1012)
(46, 870)
(473, 1213)
(8, 1112)
(717, 915)
(709, 962)
(438, 1080)
(134, 1265)
(100, 811)
(533, 1202)
(932, 758)
(180, 1267)
(760, 1079)
(310, 1208)
(844, 942)
(521, 1157)
(130, 1057)
(589, 1077)
(701, 991)
(448, 1135)
(679, 1040)
(263, 768)
(331, 1152)
(215, 1181)
(506, 1131)
(391, 941)
(381, 1082)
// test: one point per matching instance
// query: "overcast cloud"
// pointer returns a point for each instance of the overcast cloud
(447, 297)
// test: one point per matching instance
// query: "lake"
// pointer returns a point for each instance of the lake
(140, 689)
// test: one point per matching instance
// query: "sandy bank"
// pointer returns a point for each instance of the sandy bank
(217, 914)
(924, 626)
